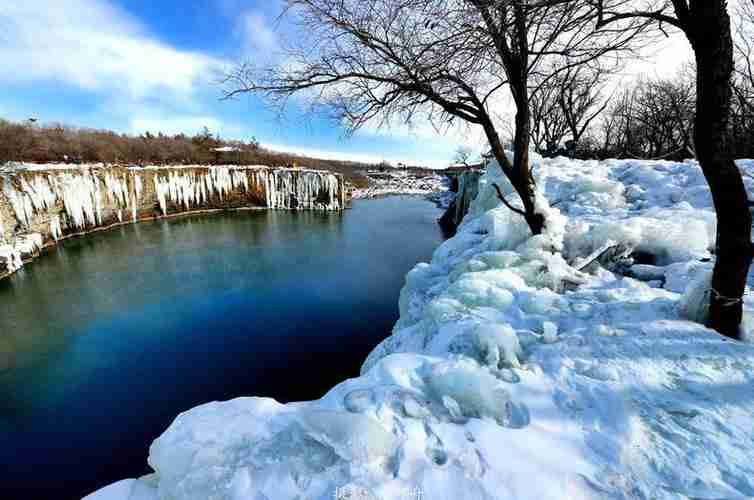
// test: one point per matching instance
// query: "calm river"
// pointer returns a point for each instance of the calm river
(107, 338)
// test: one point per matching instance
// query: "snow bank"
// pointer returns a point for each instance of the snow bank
(511, 374)
(389, 182)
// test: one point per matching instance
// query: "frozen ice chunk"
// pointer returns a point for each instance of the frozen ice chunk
(358, 400)
(452, 406)
(444, 309)
(128, 489)
(694, 304)
(414, 408)
(679, 275)
(474, 290)
(499, 345)
(353, 437)
(205, 451)
(500, 260)
(550, 332)
(475, 391)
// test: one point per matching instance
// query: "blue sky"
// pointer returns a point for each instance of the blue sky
(136, 65)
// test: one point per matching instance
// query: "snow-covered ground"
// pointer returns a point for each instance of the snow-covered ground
(399, 181)
(511, 374)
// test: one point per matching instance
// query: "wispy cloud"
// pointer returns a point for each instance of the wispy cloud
(116, 72)
(95, 46)
(257, 35)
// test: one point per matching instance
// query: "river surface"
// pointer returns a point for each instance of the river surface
(108, 337)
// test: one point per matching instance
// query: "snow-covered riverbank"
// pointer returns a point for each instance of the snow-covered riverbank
(399, 181)
(511, 374)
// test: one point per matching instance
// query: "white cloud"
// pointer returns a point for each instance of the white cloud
(94, 46)
(257, 36)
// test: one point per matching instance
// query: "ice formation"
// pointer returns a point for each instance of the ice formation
(12, 255)
(281, 188)
(468, 186)
(511, 373)
(68, 200)
(81, 192)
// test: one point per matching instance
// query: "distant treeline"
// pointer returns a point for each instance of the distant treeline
(35, 143)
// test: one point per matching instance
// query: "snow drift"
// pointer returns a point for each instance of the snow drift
(521, 368)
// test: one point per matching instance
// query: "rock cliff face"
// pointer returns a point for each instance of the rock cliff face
(41, 204)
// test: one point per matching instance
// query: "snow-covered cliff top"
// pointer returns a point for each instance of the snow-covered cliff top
(511, 374)
(42, 167)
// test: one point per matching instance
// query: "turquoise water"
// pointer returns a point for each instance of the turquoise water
(107, 338)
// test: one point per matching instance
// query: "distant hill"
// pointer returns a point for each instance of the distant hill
(57, 142)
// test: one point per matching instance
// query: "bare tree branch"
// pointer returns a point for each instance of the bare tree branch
(505, 202)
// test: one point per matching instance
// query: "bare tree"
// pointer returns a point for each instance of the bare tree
(388, 60)
(581, 98)
(463, 156)
(616, 127)
(567, 103)
(744, 50)
(706, 25)
(652, 120)
(742, 109)
(548, 122)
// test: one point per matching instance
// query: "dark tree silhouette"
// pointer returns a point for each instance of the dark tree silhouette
(707, 26)
(446, 60)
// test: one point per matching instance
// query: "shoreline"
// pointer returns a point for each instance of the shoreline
(50, 245)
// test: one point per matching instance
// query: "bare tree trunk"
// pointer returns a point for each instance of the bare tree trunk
(711, 38)
(523, 181)
(518, 173)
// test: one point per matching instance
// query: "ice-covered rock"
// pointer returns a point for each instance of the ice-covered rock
(62, 200)
(13, 255)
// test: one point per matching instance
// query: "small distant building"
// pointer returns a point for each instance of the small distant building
(227, 154)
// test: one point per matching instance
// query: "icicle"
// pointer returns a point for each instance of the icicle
(138, 186)
(14, 254)
(161, 188)
(20, 203)
(97, 199)
(85, 194)
(116, 189)
(55, 229)
(11, 258)
(81, 198)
